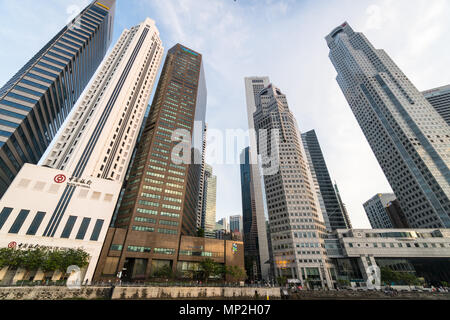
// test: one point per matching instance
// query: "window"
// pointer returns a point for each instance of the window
(143, 228)
(4, 215)
(167, 231)
(83, 227)
(97, 228)
(23, 214)
(164, 251)
(68, 228)
(116, 247)
(138, 249)
(36, 223)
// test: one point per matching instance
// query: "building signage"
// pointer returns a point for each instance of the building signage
(60, 178)
(14, 244)
(234, 247)
(73, 181)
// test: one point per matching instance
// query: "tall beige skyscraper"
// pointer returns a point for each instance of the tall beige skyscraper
(297, 227)
(209, 202)
(255, 209)
(407, 135)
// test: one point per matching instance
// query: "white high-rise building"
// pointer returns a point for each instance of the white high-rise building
(209, 202)
(376, 212)
(253, 86)
(297, 227)
(68, 199)
(408, 137)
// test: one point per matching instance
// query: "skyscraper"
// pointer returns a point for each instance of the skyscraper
(253, 85)
(439, 98)
(223, 223)
(250, 231)
(69, 200)
(408, 137)
(332, 213)
(209, 202)
(201, 187)
(396, 215)
(297, 227)
(236, 223)
(35, 102)
(376, 211)
(159, 205)
(342, 206)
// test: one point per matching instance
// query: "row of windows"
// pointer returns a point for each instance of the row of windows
(39, 217)
(144, 249)
(400, 245)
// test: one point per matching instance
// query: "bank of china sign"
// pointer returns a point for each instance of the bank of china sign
(73, 181)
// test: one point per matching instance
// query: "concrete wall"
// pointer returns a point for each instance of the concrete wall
(193, 292)
(61, 293)
(53, 293)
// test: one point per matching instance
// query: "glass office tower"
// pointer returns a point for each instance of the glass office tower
(407, 135)
(35, 102)
(331, 210)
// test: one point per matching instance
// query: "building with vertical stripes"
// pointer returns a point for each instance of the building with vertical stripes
(209, 202)
(407, 135)
(35, 102)
(297, 227)
(332, 213)
(254, 187)
(69, 198)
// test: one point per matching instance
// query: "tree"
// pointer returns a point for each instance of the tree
(282, 280)
(389, 276)
(209, 268)
(43, 258)
(237, 273)
(200, 233)
(34, 258)
(343, 282)
(165, 272)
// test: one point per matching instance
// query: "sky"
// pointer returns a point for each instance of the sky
(282, 39)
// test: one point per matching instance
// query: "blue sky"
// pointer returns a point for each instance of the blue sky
(282, 39)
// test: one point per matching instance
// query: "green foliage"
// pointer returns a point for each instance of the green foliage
(282, 280)
(237, 273)
(165, 272)
(343, 282)
(389, 276)
(200, 233)
(43, 258)
(209, 268)
(11, 258)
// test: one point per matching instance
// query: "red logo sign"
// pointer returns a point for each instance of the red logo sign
(60, 178)
(12, 244)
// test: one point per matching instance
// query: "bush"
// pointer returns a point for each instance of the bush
(45, 259)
